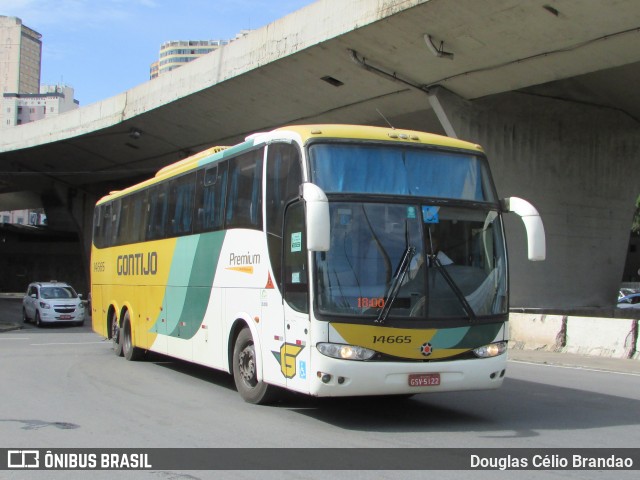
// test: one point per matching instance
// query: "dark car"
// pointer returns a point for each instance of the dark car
(629, 301)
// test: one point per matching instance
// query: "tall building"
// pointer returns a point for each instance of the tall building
(20, 57)
(175, 54)
(21, 98)
(21, 108)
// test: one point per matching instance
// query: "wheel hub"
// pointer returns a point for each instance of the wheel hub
(247, 365)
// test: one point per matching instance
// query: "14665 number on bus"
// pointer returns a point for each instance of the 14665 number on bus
(392, 339)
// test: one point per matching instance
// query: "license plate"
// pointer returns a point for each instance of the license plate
(424, 379)
(65, 317)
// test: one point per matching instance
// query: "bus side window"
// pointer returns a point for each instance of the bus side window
(210, 196)
(181, 198)
(110, 217)
(244, 191)
(296, 280)
(138, 216)
(157, 212)
(98, 237)
(123, 230)
(284, 176)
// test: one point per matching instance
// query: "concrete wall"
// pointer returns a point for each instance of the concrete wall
(578, 164)
(599, 337)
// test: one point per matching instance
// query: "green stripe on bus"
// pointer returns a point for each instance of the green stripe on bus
(479, 335)
(193, 268)
(207, 254)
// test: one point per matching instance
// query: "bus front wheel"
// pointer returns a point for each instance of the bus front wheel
(245, 375)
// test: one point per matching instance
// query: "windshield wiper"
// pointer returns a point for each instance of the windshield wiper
(396, 283)
(459, 295)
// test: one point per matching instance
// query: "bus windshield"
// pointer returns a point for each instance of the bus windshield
(412, 260)
(400, 170)
(420, 258)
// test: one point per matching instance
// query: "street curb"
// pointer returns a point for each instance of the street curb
(11, 295)
(7, 327)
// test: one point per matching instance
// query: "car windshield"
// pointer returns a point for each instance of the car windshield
(412, 260)
(50, 293)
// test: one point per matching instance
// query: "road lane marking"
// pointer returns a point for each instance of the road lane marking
(68, 343)
(576, 367)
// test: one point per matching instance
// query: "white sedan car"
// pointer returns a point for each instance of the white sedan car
(52, 302)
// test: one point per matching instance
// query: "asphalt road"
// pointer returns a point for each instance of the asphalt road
(64, 387)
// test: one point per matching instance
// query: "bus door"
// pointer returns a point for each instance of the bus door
(295, 352)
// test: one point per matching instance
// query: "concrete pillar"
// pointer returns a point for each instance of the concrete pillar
(578, 164)
(81, 207)
(69, 209)
(445, 104)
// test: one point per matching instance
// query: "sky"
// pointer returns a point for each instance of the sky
(103, 47)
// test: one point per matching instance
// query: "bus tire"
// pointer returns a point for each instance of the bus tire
(244, 372)
(116, 335)
(130, 352)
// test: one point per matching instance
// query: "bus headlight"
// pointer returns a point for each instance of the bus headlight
(491, 350)
(345, 352)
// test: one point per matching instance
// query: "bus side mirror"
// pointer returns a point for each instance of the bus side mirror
(536, 242)
(317, 218)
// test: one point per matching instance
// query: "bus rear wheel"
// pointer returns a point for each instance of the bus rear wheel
(245, 375)
(129, 351)
(116, 334)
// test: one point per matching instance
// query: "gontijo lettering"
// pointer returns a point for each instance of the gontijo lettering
(137, 264)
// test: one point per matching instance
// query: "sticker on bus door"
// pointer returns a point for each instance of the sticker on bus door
(430, 214)
(296, 242)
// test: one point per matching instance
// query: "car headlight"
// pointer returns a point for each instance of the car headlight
(44, 305)
(491, 350)
(345, 352)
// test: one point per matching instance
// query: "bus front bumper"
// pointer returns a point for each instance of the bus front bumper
(337, 378)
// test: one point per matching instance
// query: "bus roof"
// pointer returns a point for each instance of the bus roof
(189, 162)
(360, 132)
(306, 133)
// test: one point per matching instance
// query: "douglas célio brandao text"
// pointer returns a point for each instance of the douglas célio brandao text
(550, 461)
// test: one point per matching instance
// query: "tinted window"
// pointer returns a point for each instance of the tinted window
(210, 196)
(403, 171)
(182, 193)
(158, 203)
(284, 176)
(295, 274)
(244, 191)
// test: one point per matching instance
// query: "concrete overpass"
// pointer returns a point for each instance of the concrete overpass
(546, 86)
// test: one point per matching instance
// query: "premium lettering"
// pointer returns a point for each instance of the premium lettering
(137, 264)
(246, 259)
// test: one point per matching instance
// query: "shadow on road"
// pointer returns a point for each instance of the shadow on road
(519, 409)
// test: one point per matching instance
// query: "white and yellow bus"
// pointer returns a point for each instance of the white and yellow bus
(332, 260)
